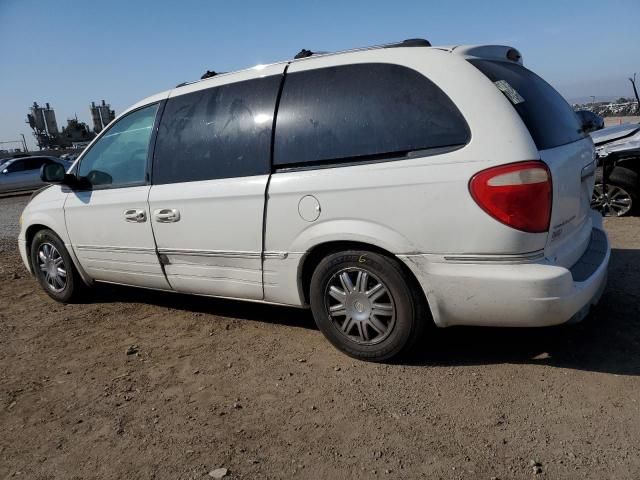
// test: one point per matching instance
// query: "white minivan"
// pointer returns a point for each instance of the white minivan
(388, 188)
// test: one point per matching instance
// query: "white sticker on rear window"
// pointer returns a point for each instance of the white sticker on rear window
(509, 92)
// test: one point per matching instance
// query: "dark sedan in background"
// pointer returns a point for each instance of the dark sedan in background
(22, 174)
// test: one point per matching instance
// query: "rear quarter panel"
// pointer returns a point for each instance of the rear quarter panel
(418, 205)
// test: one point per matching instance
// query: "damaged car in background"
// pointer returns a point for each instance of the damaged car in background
(617, 191)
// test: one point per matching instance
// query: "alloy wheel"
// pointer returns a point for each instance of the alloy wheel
(611, 200)
(360, 306)
(52, 267)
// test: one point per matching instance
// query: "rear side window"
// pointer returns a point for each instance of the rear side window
(36, 163)
(547, 115)
(362, 111)
(17, 166)
(220, 132)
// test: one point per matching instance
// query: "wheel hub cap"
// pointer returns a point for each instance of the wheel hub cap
(52, 267)
(360, 306)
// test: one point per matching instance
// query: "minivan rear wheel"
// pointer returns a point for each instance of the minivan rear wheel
(362, 302)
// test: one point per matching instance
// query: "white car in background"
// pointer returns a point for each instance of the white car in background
(388, 188)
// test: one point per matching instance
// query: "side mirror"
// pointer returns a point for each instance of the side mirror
(52, 173)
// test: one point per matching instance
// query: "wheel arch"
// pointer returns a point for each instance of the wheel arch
(30, 233)
(629, 163)
(315, 254)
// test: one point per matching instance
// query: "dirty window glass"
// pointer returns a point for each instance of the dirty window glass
(219, 132)
(17, 166)
(363, 110)
(119, 158)
(549, 118)
(36, 163)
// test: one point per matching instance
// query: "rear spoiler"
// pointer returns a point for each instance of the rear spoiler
(488, 52)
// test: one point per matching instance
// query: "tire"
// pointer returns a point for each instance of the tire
(357, 316)
(53, 267)
(621, 197)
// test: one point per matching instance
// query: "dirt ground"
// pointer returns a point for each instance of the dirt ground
(258, 391)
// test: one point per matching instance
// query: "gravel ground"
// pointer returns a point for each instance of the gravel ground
(10, 210)
(147, 385)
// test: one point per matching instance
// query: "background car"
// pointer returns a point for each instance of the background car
(17, 155)
(69, 157)
(590, 121)
(617, 188)
(23, 173)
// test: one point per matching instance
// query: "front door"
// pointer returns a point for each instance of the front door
(109, 223)
(210, 173)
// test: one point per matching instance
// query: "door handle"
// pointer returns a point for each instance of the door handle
(166, 215)
(135, 215)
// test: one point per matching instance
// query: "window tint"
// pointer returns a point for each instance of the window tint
(547, 115)
(17, 166)
(362, 110)
(220, 132)
(119, 157)
(36, 163)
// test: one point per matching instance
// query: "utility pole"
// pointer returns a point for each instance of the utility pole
(24, 143)
(635, 92)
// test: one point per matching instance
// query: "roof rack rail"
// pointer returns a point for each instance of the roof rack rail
(208, 74)
(409, 42)
(304, 53)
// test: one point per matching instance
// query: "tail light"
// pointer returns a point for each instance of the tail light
(517, 194)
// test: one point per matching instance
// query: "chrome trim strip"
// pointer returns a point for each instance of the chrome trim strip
(108, 248)
(208, 253)
(525, 257)
(222, 253)
(176, 251)
(276, 255)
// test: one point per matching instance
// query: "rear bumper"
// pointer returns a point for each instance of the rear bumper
(513, 295)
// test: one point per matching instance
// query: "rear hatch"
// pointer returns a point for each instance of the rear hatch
(567, 151)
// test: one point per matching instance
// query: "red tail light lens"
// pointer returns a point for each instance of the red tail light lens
(517, 194)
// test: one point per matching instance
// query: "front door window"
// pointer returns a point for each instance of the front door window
(119, 157)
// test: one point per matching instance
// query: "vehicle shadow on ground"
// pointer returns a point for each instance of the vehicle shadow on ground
(607, 341)
(233, 309)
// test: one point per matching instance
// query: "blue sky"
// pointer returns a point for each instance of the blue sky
(71, 53)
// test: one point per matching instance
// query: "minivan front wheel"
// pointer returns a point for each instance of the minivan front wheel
(53, 267)
(362, 302)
